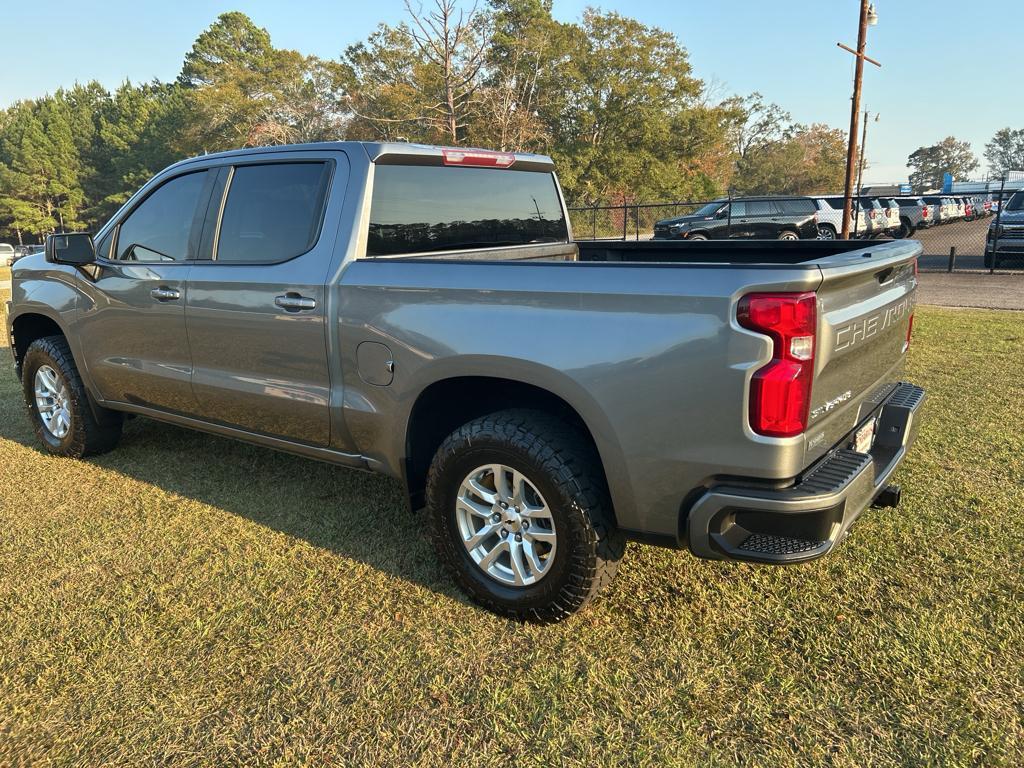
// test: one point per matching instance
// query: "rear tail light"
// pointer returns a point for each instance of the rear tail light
(477, 157)
(924, 212)
(780, 392)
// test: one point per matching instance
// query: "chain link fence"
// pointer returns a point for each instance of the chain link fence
(957, 230)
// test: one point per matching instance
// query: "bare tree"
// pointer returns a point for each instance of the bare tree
(453, 44)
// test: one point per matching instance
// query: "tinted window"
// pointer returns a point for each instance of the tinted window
(708, 210)
(272, 212)
(760, 208)
(739, 209)
(835, 202)
(431, 208)
(103, 246)
(158, 230)
(797, 206)
(1016, 202)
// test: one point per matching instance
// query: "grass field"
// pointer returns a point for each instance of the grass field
(187, 600)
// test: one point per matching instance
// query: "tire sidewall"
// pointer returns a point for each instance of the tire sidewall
(37, 356)
(449, 478)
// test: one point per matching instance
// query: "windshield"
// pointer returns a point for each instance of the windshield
(1016, 202)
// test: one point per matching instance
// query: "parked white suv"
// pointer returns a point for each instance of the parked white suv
(830, 217)
(892, 215)
(6, 254)
(915, 214)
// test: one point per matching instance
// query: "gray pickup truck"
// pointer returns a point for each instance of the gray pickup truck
(425, 313)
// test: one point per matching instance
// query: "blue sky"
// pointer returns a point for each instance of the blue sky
(949, 67)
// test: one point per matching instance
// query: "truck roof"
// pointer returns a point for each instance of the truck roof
(384, 152)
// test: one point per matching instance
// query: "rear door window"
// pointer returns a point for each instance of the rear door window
(761, 208)
(272, 212)
(797, 206)
(423, 208)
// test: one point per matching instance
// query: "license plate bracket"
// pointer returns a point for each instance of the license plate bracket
(864, 438)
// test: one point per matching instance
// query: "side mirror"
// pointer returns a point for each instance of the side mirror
(74, 248)
(723, 214)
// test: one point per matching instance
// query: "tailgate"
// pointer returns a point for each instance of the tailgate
(866, 300)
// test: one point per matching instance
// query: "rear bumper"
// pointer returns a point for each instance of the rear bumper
(736, 521)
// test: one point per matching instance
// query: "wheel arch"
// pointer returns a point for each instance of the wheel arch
(29, 327)
(34, 324)
(446, 404)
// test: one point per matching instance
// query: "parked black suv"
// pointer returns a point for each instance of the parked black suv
(760, 218)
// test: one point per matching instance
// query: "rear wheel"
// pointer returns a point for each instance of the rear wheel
(519, 513)
(61, 414)
(788, 235)
(906, 229)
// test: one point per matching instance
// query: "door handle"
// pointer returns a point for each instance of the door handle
(165, 294)
(293, 302)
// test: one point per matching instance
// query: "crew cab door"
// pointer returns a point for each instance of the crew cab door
(133, 328)
(256, 311)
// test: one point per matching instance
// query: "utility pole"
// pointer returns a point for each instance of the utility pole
(867, 16)
(863, 152)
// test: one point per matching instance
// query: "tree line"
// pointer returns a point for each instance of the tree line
(615, 102)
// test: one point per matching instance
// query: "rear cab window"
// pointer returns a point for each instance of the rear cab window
(429, 208)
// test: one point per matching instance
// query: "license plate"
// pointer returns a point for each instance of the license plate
(865, 437)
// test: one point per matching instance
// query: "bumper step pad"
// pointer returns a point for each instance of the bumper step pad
(766, 544)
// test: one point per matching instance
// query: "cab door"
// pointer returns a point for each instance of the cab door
(133, 333)
(257, 305)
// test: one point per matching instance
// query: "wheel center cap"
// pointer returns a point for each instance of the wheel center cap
(512, 519)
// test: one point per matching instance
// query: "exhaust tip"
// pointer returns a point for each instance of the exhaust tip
(888, 497)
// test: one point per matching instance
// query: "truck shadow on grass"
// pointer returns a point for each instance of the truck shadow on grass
(357, 515)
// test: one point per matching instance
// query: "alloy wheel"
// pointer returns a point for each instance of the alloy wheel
(505, 525)
(52, 402)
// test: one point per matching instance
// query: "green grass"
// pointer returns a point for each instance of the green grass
(189, 600)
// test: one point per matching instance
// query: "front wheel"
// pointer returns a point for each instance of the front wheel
(787, 235)
(698, 236)
(61, 414)
(519, 513)
(826, 232)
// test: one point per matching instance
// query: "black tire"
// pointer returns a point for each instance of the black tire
(697, 236)
(826, 232)
(565, 469)
(89, 432)
(789, 235)
(988, 260)
(906, 229)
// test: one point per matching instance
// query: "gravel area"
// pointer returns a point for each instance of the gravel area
(972, 289)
